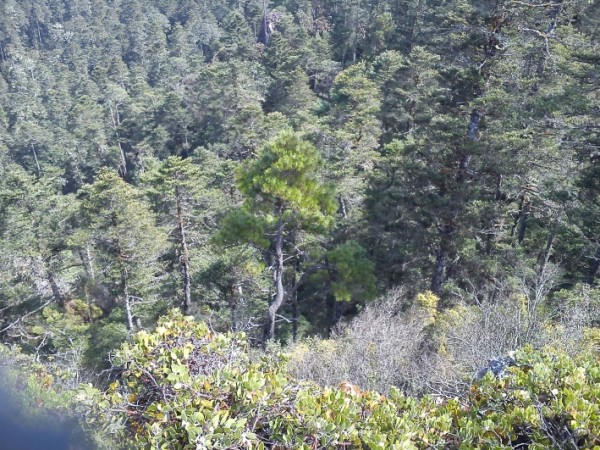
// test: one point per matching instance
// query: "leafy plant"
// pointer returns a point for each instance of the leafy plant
(186, 387)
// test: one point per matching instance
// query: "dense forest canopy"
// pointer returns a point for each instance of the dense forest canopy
(396, 190)
(272, 166)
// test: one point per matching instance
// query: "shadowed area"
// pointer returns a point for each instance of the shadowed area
(18, 431)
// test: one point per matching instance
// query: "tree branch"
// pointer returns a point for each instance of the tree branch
(533, 5)
(305, 275)
(20, 319)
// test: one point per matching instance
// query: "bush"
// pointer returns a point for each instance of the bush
(376, 351)
(415, 346)
(185, 387)
(37, 385)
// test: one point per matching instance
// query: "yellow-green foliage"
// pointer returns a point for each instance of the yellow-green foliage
(326, 348)
(428, 303)
(591, 340)
(184, 387)
(44, 394)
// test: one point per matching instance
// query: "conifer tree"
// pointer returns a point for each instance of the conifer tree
(172, 187)
(282, 193)
(127, 244)
(36, 263)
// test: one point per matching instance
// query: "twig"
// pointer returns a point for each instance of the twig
(20, 319)
(532, 5)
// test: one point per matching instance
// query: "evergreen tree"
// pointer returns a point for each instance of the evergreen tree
(38, 267)
(282, 193)
(126, 243)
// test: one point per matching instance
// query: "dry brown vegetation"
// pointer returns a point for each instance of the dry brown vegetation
(424, 350)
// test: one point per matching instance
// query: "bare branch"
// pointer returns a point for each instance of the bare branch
(534, 5)
(20, 319)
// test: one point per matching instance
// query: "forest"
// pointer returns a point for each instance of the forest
(381, 194)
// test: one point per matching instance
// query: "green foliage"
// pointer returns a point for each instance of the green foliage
(461, 138)
(104, 337)
(184, 386)
(283, 179)
(43, 393)
(281, 183)
(164, 179)
(353, 272)
(241, 226)
(547, 401)
(283, 197)
(34, 233)
(40, 386)
(126, 241)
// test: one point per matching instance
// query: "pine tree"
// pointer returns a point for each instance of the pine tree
(282, 193)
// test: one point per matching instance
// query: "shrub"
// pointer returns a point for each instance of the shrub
(415, 346)
(185, 387)
(376, 351)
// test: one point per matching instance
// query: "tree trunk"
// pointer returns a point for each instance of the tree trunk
(128, 313)
(236, 297)
(495, 222)
(545, 255)
(295, 303)
(86, 259)
(37, 163)
(594, 266)
(88, 262)
(185, 254)
(520, 224)
(125, 288)
(126, 299)
(414, 23)
(116, 120)
(473, 130)
(56, 293)
(278, 280)
(523, 219)
(343, 209)
(334, 309)
(439, 270)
